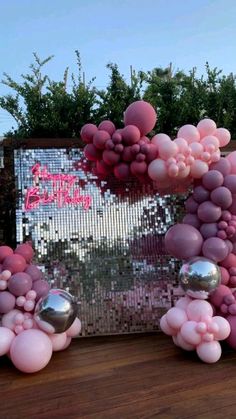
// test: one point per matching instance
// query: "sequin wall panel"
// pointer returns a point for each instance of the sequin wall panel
(101, 241)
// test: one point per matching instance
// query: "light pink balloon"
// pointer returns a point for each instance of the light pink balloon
(182, 145)
(209, 352)
(197, 310)
(6, 338)
(167, 150)
(206, 127)
(198, 169)
(183, 302)
(196, 149)
(173, 170)
(224, 328)
(189, 333)
(166, 328)
(183, 344)
(223, 136)
(74, 329)
(160, 139)
(68, 342)
(31, 350)
(157, 170)
(210, 140)
(58, 341)
(175, 317)
(8, 320)
(189, 133)
(184, 173)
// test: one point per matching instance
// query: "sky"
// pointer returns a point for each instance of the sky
(142, 33)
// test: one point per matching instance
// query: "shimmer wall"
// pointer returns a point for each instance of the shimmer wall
(101, 241)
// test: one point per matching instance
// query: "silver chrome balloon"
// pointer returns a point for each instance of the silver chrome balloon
(56, 312)
(199, 277)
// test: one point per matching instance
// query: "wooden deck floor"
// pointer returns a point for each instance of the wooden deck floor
(133, 376)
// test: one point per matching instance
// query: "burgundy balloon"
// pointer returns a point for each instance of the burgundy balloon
(208, 230)
(140, 157)
(142, 115)
(117, 138)
(7, 302)
(209, 212)
(109, 145)
(20, 283)
(138, 168)
(217, 296)
(183, 241)
(122, 171)
(107, 126)
(102, 168)
(192, 219)
(131, 135)
(34, 272)
(26, 251)
(215, 249)
(4, 252)
(41, 288)
(223, 166)
(212, 179)
(200, 194)
(14, 263)
(230, 183)
(119, 148)
(222, 197)
(191, 205)
(151, 153)
(87, 132)
(135, 148)
(100, 139)
(92, 153)
(110, 157)
(127, 154)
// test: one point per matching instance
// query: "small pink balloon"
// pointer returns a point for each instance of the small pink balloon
(197, 310)
(165, 327)
(5, 275)
(173, 170)
(58, 341)
(31, 350)
(6, 338)
(107, 126)
(74, 329)
(223, 328)
(209, 352)
(175, 317)
(206, 127)
(189, 133)
(198, 169)
(223, 136)
(189, 333)
(183, 302)
(142, 115)
(87, 132)
(168, 149)
(157, 170)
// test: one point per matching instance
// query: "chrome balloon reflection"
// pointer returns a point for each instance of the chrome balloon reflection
(199, 277)
(56, 312)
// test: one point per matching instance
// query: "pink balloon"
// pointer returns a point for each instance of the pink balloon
(157, 170)
(122, 171)
(92, 153)
(189, 333)
(31, 350)
(130, 134)
(182, 145)
(165, 327)
(100, 139)
(14, 263)
(26, 251)
(102, 168)
(4, 252)
(223, 136)
(138, 168)
(19, 284)
(198, 310)
(160, 139)
(231, 157)
(183, 302)
(58, 341)
(74, 329)
(173, 170)
(206, 127)
(198, 169)
(34, 272)
(175, 317)
(6, 338)
(41, 287)
(7, 302)
(179, 340)
(210, 139)
(209, 352)
(110, 157)
(223, 166)
(189, 133)
(68, 341)
(107, 126)
(87, 132)
(8, 320)
(196, 149)
(168, 149)
(183, 241)
(142, 115)
(215, 249)
(223, 328)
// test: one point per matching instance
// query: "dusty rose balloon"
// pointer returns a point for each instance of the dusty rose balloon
(192, 219)
(107, 126)
(209, 212)
(229, 261)
(26, 251)
(151, 152)
(183, 241)
(217, 296)
(87, 132)
(208, 230)
(4, 252)
(224, 275)
(102, 168)
(100, 139)
(206, 127)
(58, 341)
(223, 136)
(19, 283)
(191, 205)
(189, 133)
(213, 179)
(198, 169)
(31, 350)
(142, 115)
(157, 170)
(92, 153)
(223, 166)
(74, 329)
(222, 197)
(119, 148)
(200, 194)
(127, 154)
(6, 338)
(41, 287)
(121, 171)
(7, 302)
(215, 249)
(34, 272)
(131, 134)
(110, 157)
(14, 263)
(138, 168)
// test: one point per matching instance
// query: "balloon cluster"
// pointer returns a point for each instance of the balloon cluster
(128, 151)
(35, 321)
(193, 327)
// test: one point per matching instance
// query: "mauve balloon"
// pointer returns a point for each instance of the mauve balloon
(192, 219)
(26, 251)
(142, 115)
(200, 194)
(223, 166)
(100, 139)
(87, 132)
(130, 134)
(19, 283)
(14, 263)
(34, 272)
(191, 205)
(215, 249)
(212, 179)
(208, 230)
(7, 302)
(230, 183)
(41, 288)
(121, 171)
(209, 212)
(183, 241)
(4, 252)
(107, 126)
(222, 197)
(92, 153)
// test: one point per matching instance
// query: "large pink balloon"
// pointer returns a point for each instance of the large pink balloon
(31, 350)
(206, 127)
(131, 134)
(159, 139)
(189, 133)
(198, 169)
(6, 338)
(223, 136)
(215, 249)
(107, 126)
(183, 241)
(142, 115)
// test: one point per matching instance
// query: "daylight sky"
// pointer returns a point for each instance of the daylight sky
(141, 33)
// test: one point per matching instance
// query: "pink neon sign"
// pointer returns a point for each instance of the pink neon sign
(62, 192)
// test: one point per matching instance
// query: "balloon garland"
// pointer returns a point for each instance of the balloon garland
(35, 320)
(205, 240)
